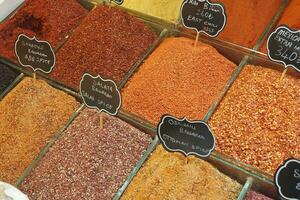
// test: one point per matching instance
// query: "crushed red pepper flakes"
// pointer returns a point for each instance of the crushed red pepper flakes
(108, 42)
(30, 114)
(49, 20)
(178, 79)
(258, 120)
(252, 195)
(87, 162)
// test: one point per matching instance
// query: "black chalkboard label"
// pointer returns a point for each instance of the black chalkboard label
(35, 54)
(187, 137)
(284, 47)
(287, 180)
(101, 94)
(119, 2)
(203, 16)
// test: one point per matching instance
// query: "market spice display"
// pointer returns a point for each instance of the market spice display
(87, 162)
(108, 42)
(175, 80)
(30, 114)
(258, 120)
(252, 195)
(173, 176)
(7, 76)
(166, 9)
(49, 20)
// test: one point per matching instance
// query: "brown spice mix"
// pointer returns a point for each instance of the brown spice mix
(108, 42)
(173, 176)
(30, 114)
(258, 120)
(86, 162)
(49, 20)
(177, 79)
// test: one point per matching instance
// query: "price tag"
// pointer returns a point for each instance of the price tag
(203, 16)
(38, 55)
(101, 94)
(287, 180)
(187, 137)
(284, 47)
(119, 2)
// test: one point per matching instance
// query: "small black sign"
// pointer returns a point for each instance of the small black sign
(100, 94)
(203, 16)
(187, 137)
(287, 180)
(119, 2)
(284, 47)
(35, 54)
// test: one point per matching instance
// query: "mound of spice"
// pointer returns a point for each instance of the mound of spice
(258, 120)
(108, 42)
(290, 17)
(166, 9)
(49, 20)
(173, 176)
(247, 20)
(252, 195)
(87, 162)
(175, 80)
(30, 114)
(7, 76)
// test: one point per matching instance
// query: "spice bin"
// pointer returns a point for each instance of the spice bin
(114, 174)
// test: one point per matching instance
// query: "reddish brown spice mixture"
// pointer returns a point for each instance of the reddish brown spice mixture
(252, 195)
(177, 79)
(48, 20)
(87, 162)
(108, 42)
(30, 114)
(258, 120)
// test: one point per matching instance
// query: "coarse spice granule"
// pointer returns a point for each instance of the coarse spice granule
(7, 76)
(177, 79)
(87, 162)
(252, 195)
(108, 42)
(169, 176)
(30, 114)
(258, 120)
(49, 20)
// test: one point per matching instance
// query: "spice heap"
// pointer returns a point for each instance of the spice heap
(46, 19)
(174, 176)
(174, 80)
(290, 17)
(7, 76)
(30, 114)
(252, 195)
(165, 9)
(246, 20)
(86, 162)
(258, 120)
(108, 42)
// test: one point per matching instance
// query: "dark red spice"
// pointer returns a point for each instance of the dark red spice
(49, 20)
(108, 42)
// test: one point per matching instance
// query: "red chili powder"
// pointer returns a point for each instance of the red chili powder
(48, 20)
(290, 17)
(247, 19)
(108, 42)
